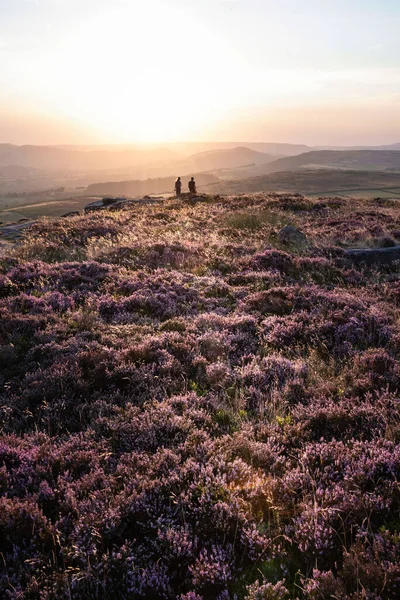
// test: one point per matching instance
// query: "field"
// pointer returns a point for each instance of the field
(192, 410)
(324, 182)
(313, 182)
(372, 193)
(46, 205)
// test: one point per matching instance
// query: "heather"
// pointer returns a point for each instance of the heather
(191, 409)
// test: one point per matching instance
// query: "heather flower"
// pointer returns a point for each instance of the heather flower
(212, 566)
(267, 591)
(183, 411)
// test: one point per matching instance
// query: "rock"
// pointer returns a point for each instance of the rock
(73, 213)
(118, 203)
(370, 256)
(291, 236)
(108, 201)
(93, 206)
(13, 231)
(387, 242)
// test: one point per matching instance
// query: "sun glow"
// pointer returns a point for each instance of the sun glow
(164, 70)
(140, 71)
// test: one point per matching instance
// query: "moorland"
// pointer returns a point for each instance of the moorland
(195, 407)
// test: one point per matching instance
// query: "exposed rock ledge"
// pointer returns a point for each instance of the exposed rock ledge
(371, 256)
(110, 203)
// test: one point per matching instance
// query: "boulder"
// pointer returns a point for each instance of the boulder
(291, 236)
(371, 256)
(93, 206)
(108, 201)
(118, 203)
(73, 213)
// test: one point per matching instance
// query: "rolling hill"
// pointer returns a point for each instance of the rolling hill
(76, 159)
(214, 160)
(279, 149)
(314, 181)
(336, 159)
(348, 148)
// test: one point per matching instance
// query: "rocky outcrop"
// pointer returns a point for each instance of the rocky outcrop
(371, 256)
(291, 236)
(73, 213)
(110, 203)
(13, 231)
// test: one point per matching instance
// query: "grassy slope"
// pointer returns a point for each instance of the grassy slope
(190, 410)
(313, 181)
(349, 159)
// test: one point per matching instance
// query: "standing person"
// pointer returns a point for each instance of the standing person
(192, 186)
(178, 187)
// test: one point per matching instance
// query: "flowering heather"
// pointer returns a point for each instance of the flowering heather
(191, 410)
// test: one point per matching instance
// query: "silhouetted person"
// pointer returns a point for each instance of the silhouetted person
(192, 186)
(178, 187)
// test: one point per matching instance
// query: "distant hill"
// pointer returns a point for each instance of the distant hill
(350, 148)
(17, 171)
(148, 186)
(190, 148)
(75, 159)
(84, 158)
(313, 181)
(225, 159)
(389, 147)
(336, 159)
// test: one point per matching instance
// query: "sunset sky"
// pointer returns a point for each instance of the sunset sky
(302, 71)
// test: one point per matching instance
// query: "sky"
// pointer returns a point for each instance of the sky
(320, 72)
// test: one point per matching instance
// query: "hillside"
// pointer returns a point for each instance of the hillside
(370, 184)
(315, 181)
(75, 159)
(361, 159)
(225, 159)
(189, 148)
(347, 148)
(24, 169)
(193, 408)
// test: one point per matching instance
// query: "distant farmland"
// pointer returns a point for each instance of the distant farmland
(317, 182)
(13, 209)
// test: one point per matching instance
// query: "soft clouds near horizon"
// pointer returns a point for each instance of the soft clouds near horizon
(318, 72)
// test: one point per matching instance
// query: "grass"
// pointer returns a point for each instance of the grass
(367, 193)
(255, 221)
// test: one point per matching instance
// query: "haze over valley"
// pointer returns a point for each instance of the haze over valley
(50, 181)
